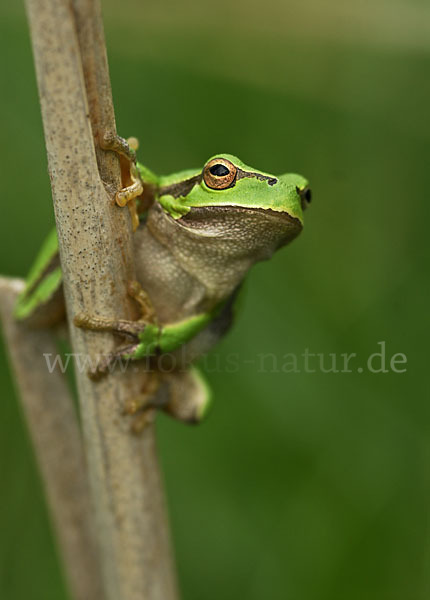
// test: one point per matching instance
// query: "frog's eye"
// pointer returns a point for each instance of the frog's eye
(219, 174)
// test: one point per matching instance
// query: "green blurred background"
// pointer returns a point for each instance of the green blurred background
(308, 486)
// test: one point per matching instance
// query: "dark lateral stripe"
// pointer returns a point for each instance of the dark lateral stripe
(270, 180)
(182, 188)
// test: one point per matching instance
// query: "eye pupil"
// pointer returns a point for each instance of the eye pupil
(219, 170)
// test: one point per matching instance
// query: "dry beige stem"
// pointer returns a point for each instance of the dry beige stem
(53, 426)
(96, 255)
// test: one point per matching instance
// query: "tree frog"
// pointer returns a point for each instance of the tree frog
(198, 233)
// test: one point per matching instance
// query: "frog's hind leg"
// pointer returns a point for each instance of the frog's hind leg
(143, 407)
(189, 396)
(41, 303)
(37, 312)
(184, 395)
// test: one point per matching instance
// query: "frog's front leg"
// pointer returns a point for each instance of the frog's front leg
(130, 329)
(119, 326)
(134, 330)
(144, 336)
(109, 361)
(127, 150)
(185, 395)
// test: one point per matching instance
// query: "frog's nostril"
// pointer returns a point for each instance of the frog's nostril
(305, 195)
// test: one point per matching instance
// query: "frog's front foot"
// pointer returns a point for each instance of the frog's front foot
(108, 362)
(128, 329)
(127, 148)
(133, 186)
(133, 330)
(119, 326)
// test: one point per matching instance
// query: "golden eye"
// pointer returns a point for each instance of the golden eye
(219, 174)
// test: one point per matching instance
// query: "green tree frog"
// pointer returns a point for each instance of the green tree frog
(198, 233)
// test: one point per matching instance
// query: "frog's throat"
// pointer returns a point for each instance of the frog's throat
(190, 221)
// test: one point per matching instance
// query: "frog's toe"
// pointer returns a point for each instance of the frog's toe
(142, 420)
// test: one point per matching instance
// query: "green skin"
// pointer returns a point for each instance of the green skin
(193, 249)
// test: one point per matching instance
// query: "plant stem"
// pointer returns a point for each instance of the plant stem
(95, 242)
(53, 426)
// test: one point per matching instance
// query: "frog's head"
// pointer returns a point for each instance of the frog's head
(228, 199)
(227, 181)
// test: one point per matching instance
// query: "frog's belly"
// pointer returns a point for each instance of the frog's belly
(174, 293)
